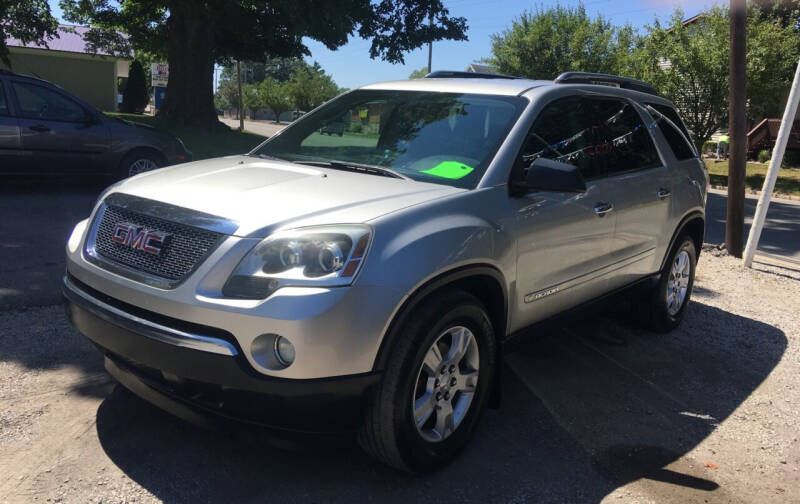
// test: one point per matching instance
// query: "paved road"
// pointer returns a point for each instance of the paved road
(262, 128)
(781, 232)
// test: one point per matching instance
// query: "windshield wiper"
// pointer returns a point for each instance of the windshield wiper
(356, 167)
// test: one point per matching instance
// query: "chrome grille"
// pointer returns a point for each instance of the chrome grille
(186, 248)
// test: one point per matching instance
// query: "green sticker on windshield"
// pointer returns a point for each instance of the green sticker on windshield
(450, 170)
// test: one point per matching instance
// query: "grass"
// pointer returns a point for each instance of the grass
(788, 178)
(203, 144)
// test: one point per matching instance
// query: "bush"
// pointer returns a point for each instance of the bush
(709, 146)
(135, 96)
(791, 159)
(355, 127)
(763, 156)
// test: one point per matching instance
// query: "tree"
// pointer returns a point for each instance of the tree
(135, 97)
(310, 87)
(543, 43)
(689, 65)
(27, 20)
(251, 100)
(418, 74)
(275, 96)
(227, 96)
(196, 34)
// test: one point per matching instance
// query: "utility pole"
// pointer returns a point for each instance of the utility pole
(734, 228)
(239, 79)
(430, 44)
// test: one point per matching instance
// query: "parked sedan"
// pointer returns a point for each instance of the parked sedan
(45, 132)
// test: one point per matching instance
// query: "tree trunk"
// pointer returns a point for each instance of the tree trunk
(190, 51)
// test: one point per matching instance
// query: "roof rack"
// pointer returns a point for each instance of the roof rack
(450, 74)
(605, 80)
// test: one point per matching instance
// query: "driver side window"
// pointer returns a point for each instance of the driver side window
(563, 132)
(38, 102)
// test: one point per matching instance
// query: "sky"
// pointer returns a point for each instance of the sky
(351, 66)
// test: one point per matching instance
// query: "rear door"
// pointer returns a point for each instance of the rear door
(641, 186)
(12, 160)
(563, 239)
(62, 136)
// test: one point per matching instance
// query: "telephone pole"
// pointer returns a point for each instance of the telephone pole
(239, 79)
(430, 44)
(734, 228)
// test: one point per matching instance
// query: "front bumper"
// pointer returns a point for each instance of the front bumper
(198, 372)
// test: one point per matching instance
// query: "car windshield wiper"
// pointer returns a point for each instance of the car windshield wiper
(356, 167)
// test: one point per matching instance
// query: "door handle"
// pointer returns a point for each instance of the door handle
(603, 208)
(40, 128)
(664, 193)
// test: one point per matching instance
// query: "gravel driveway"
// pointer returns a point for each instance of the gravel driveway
(593, 409)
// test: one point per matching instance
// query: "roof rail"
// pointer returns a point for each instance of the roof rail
(449, 74)
(605, 80)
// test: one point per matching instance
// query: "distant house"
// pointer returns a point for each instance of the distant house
(67, 62)
(478, 68)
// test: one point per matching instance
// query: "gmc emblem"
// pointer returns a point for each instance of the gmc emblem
(139, 238)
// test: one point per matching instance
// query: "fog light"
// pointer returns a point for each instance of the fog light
(284, 351)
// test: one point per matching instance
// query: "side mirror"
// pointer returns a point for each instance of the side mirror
(548, 175)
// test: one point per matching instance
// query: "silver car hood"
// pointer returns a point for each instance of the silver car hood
(264, 195)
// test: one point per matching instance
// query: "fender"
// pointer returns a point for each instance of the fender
(432, 285)
(688, 217)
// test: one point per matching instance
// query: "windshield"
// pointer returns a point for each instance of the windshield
(444, 138)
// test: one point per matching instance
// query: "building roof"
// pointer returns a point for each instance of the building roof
(69, 39)
(477, 67)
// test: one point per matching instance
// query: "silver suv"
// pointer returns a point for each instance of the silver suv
(368, 281)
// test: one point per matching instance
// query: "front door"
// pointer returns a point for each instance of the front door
(563, 238)
(11, 154)
(60, 135)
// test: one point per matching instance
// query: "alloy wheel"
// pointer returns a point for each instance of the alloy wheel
(678, 282)
(446, 384)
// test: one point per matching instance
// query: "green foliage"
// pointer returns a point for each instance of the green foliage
(419, 73)
(763, 156)
(27, 20)
(708, 146)
(689, 65)
(773, 51)
(250, 98)
(310, 87)
(135, 96)
(276, 96)
(196, 35)
(543, 43)
(227, 96)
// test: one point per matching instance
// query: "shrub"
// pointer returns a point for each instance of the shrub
(709, 147)
(135, 96)
(355, 127)
(763, 156)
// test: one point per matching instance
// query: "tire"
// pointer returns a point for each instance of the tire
(390, 433)
(139, 161)
(663, 309)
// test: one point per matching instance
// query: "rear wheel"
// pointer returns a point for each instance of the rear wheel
(435, 387)
(663, 309)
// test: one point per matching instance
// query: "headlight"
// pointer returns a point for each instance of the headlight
(323, 256)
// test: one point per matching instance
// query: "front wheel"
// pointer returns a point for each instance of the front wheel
(435, 387)
(139, 161)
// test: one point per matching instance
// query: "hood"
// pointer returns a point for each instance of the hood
(264, 195)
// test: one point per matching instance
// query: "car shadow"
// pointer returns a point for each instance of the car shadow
(587, 407)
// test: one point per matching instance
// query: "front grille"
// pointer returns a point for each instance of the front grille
(185, 248)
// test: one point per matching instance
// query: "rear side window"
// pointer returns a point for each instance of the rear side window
(674, 138)
(3, 102)
(38, 102)
(563, 132)
(622, 142)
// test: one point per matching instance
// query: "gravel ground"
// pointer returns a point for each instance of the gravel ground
(596, 410)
